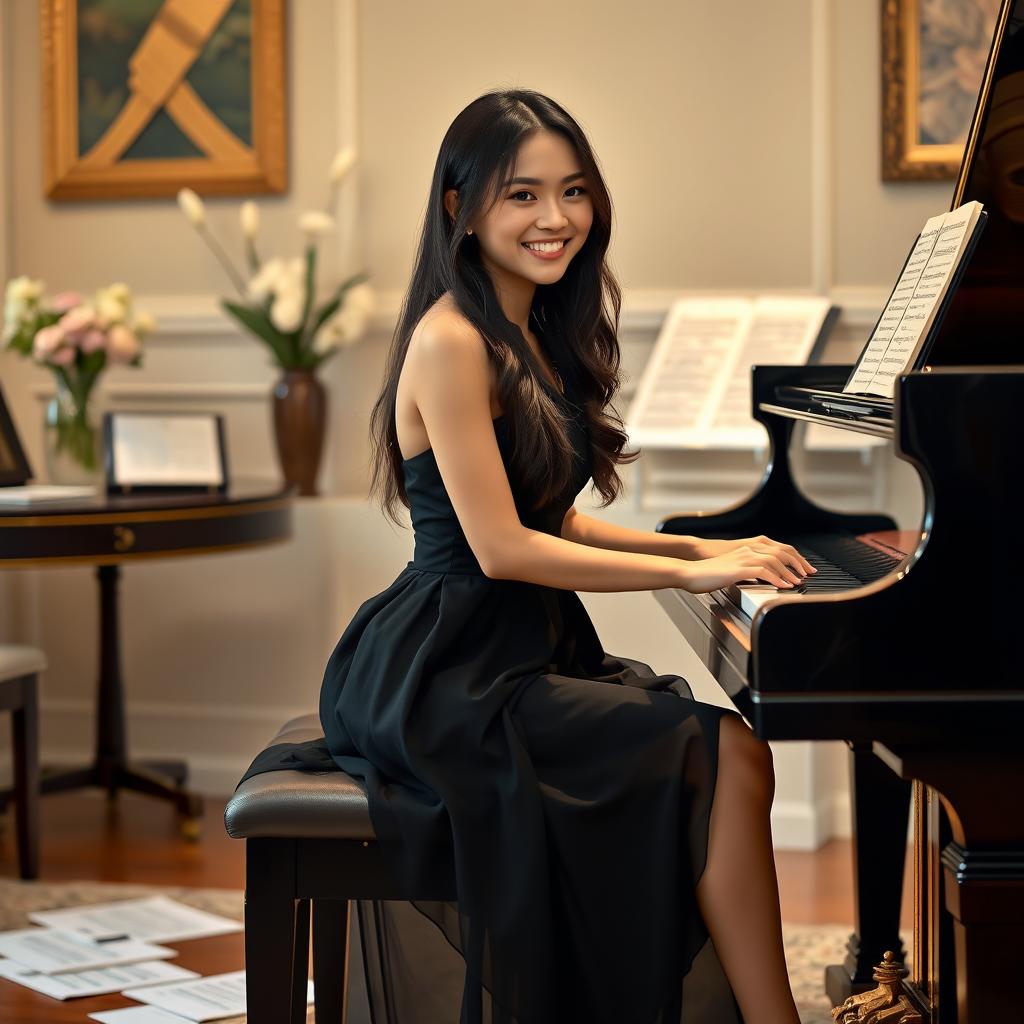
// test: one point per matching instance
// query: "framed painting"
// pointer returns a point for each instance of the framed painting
(933, 59)
(144, 97)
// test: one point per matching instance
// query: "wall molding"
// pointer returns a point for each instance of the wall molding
(272, 715)
(198, 318)
(212, 775)
(186, 391)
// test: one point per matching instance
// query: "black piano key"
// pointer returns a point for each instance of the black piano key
(843, 563)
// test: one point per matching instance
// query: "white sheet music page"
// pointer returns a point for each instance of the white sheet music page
(782, 330)
(687, 372)
(920, 313)
(892, 315)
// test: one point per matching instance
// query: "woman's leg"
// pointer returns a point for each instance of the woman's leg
(738, 893)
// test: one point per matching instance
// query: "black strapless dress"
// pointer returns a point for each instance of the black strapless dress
(563, 793)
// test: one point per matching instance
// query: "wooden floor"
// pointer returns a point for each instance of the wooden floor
(136, 839)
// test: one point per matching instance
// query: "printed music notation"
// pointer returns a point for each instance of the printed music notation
(695, 389)
(909, 315)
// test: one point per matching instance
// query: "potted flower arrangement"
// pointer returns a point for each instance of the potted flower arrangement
(77, 339)
(278, 305)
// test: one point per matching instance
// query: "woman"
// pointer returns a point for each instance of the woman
(597, 823)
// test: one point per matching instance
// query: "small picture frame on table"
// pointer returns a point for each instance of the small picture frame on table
(164, 452)
(14, 467)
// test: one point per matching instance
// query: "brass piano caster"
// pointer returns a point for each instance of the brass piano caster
(191, 818)
(883, 1005)
(191, 829)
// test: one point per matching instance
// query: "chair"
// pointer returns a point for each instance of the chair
(19, 669)
(309, 849)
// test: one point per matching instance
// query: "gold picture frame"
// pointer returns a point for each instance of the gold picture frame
(140, 100)
(933, 59)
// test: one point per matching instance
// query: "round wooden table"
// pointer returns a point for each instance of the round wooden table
(109, 531)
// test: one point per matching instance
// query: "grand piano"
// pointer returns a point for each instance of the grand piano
(904, 644)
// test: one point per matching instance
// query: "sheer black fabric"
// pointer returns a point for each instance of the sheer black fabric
(563, 793)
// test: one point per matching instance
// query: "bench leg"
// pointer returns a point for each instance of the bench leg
(276, 935)
(25, 737)
(330, 960)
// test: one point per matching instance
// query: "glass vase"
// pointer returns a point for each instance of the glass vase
(72, 439)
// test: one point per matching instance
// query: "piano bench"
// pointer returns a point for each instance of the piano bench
(309, 849)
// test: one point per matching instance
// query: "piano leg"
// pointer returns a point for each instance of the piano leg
(880, 808)
(982, 868)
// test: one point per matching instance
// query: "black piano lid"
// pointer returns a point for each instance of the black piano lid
(983, 323)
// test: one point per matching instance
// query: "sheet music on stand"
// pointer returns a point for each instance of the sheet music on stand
(695, 390)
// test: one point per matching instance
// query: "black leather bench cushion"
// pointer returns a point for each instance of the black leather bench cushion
(299, 804)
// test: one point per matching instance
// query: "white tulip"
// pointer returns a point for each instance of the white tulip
(192, 206)
(295, 271)
(343, 162)
(250, 217)
(286, 311)
(361, 296)
(316, 222)
(352, 321)
(325, 338)
(265, 280)
(145, 323)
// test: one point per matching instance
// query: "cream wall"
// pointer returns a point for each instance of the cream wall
(740, 145)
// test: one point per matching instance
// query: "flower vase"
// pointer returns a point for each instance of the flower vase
(73, 446)
(300, 420)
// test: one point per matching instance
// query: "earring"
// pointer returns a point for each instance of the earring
(470, 231)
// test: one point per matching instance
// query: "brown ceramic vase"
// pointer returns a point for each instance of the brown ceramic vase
(300, 420)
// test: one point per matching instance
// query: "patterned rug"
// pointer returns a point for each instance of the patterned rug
(808, 948)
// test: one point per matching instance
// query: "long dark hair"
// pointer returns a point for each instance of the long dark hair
(581, 310)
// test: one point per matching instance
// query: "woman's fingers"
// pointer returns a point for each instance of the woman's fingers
(785, 572)
(787, 554)
(797, 560)
(771, 570)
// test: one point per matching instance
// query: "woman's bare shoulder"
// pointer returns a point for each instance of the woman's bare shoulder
(444, 332)
(445, 317)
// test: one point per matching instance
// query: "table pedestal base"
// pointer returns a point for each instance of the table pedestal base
(110, 769)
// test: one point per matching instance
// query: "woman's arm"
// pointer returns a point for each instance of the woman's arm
(584, 529)
(450, 378)
(596, 533)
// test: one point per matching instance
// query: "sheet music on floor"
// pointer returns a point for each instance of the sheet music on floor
(695, 389)
(212, 998)
(52, 951)
(150, 918)
(102, 981)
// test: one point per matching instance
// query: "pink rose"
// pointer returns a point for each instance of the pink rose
(78, 320)
(47, 340)
(64, 356)
(123, 345)
(65, 301)
(93, 340)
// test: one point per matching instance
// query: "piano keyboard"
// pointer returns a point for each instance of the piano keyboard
(843, 563)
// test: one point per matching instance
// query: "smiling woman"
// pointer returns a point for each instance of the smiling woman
(564, 793)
